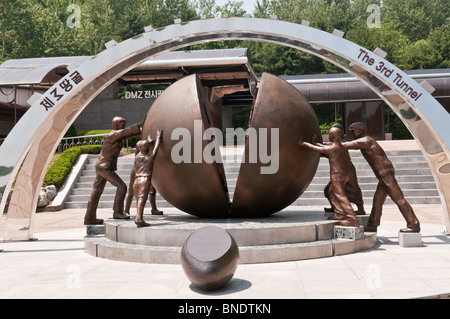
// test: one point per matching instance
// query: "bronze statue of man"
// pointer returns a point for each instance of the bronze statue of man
(337, 155)
(387, 184)
(105, 169)
(143, 164)
(352, 189)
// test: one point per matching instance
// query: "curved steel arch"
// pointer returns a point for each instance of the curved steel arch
(32, 142)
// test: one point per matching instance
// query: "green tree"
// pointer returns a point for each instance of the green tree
(413, 32)
(430, 53)
(387, 37)
(17, 29)
(232, 9)
(416, 18)
(207, 8)
(280, 60)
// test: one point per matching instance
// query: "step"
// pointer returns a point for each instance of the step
(370, 193)
(372, 179)
(301, 201)
(110, 204)
(102, 247)
(426, 200)
(129, 166)
(290, 235)
(369, 172)
(412, 160)
(130, 160)
(373, 186)
(365, 166)
(106, 196)
(412, 173)
(393, 159)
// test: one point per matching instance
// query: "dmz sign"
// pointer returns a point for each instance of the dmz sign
(149, 94)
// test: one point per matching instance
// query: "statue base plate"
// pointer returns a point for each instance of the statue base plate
(409, 239)
(347, 232)
(95, 230)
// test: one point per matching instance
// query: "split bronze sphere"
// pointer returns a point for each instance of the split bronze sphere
(198, 185)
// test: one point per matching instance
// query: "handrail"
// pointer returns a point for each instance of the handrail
(81, 141)
(73, 141)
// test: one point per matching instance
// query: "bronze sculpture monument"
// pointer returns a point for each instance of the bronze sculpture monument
(339, 174)
(105, 169)
(387, 184)
(352, 189)
(143, 165)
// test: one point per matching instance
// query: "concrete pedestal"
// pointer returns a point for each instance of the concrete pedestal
(286, 236)
(95, 230)
(347, 232)
(409, 239)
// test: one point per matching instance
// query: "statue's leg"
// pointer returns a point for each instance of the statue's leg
(141, 189)
(155, 210)
(140, 204)
(377, 207)
(326, 193)
(91, 212)
(338, 181)
(394, 191)
(130, 192)
(354, 192)
(338, 210)
(121, 192)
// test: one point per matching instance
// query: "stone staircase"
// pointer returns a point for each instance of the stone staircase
(412, 173)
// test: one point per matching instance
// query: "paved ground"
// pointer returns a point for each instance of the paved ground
(55, 266)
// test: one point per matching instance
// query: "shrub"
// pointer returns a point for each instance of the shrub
(93, 132)
(57, 173)
(325, 128)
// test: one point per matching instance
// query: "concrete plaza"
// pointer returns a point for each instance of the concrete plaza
(56, 266)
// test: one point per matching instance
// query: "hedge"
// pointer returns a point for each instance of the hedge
(57, 173)
(92, 132)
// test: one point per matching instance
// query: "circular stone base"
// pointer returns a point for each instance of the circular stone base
(285, 236)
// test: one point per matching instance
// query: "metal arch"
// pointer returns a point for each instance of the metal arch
(34, 139)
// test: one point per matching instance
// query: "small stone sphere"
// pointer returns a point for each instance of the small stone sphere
(210, 257)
